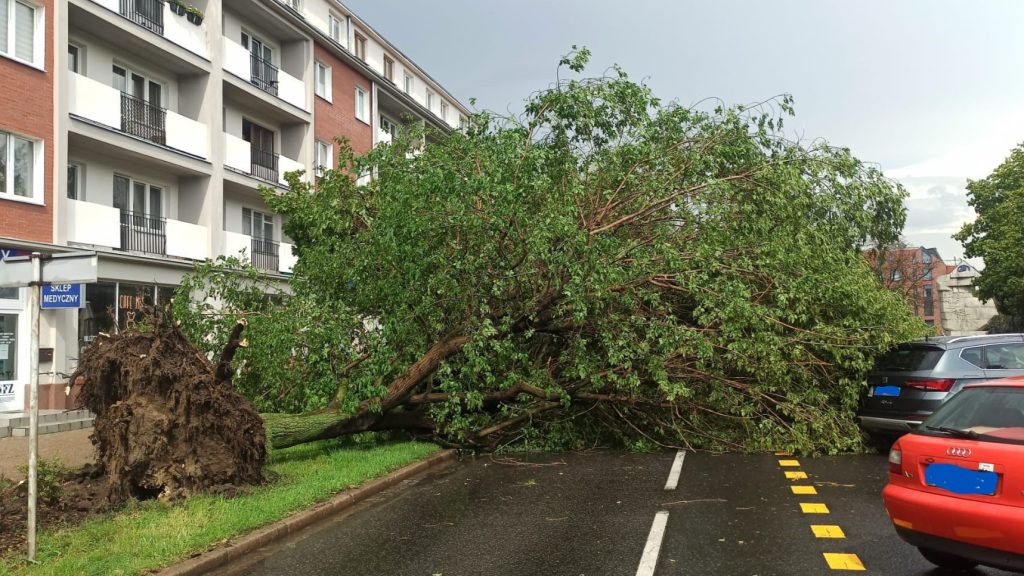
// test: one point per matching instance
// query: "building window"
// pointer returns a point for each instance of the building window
(143, 201)
(334, 28)
(74, 53)
(20, 172)
(929, 301)
(8, 347)
(444, 110)
(362, 105)
(463, 122)
(322, 86)
(409, 84)
(20, 36)
(324, 156)
(389, 68)
(360, 47)
(928, 274)
(387, 125)
(296, 4)
(257, 224)
(74, 181)
(430, 101)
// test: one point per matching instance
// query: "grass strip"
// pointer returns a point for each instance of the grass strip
(150, 535)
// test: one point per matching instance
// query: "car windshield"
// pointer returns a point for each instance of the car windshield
(909, 358)
(988, 412)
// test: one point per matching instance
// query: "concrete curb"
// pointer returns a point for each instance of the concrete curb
(207, 562)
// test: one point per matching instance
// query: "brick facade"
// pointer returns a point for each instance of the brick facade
(338, 117)
(27, 110)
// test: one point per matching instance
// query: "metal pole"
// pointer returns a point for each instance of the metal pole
(33, 423)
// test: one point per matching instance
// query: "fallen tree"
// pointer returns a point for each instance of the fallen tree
(604, 269)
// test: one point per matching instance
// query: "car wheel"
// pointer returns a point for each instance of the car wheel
(881, 442)
(944, 560)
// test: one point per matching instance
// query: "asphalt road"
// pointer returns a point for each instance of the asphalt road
(609, 513)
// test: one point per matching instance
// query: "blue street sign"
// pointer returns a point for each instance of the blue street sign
(62, 296)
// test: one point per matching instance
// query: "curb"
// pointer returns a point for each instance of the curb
(207, 562)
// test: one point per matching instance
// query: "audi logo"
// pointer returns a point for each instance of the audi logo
(958, 452)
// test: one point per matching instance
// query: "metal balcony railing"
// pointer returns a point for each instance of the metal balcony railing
(265, 254)
(146, 13)
(142, 119)
(143, 233)
(264, 165)
(264, 74)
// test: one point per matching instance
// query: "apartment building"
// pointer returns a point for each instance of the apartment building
(148, 133)
(913, 271)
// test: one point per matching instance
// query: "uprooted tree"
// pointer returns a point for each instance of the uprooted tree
(604, 268)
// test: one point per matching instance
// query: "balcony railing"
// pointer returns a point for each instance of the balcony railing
(264, 74)
(142, 119)
(146, 13)
(264, 164)
(143, 233)
(265, 254)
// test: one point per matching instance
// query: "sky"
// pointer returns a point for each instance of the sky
(931, 91)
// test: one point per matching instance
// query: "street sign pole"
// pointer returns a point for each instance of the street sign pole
(35, 271)
(33, 395)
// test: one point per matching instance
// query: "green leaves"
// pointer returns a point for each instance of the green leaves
(650, 273)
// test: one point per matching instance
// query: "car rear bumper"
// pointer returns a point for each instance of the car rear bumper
(991, 534)
(888, 425)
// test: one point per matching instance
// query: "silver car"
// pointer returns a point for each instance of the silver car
(913, 379)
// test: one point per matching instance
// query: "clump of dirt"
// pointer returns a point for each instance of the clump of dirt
(169, 423)
(80, 496)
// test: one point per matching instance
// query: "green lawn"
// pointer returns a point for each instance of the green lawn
(151, 534)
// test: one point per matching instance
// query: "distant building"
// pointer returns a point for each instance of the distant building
(963, 314)
(913, 271)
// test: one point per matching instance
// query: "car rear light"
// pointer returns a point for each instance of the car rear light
(896, 459)
(932, 385)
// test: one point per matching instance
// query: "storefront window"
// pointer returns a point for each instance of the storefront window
(8, 346)
(98, 313)
(132, 303)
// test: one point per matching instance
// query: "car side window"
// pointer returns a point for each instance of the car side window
(972, 355)
(1004, 357)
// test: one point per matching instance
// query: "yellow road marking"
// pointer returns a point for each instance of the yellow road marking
(803, 489)
(783, 453)
(843, 561)
(795, 475)
(789, 463)
(826, 531)
(813, 508)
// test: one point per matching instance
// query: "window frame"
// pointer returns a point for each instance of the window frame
(443, 112)
(328, 78)
(328, 155)
(8, 178)
(410, 83)
(79, 171)
(359, 48)
(389, 68)
(147, 210)
(431, 96)
(10, 50)
(362, 112)
(340, 37)
(263, 220)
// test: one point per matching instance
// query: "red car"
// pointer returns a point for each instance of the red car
(956, 483)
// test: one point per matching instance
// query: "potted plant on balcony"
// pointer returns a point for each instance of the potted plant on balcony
(194, 15)
(178, 7)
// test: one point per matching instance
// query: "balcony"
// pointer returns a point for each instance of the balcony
(100, 225)
(143, 233)
(102, 104)
(142, 119)
(156, 16)
(263, 164)
(146, 13)
(263, 75)
(262, 254)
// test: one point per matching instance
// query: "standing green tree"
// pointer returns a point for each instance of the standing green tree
(997, 236)
(604, 268)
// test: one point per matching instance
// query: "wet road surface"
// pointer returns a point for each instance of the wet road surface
(609, 513)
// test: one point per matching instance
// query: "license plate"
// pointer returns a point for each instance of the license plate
(887, 390)
(959, 480)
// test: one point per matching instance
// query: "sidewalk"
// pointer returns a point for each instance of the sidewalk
(73, 448)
